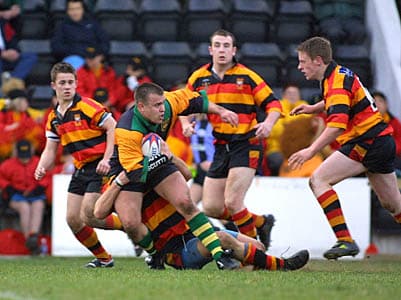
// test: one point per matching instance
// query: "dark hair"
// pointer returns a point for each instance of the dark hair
(76, 1)
(379, 94)
(142, 91)
(223, 32)
(317, 46)
(61, 67)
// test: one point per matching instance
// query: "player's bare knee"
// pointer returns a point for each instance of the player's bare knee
(132, 229)
(74, 222)
(390, 206)
(186, 207)
(315, 183)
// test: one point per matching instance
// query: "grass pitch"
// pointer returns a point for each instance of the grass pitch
(65, 278)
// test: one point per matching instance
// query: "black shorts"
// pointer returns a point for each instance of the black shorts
(377, 155)
(154, 178)
(86, 180)
(200, 175)
(239, 154)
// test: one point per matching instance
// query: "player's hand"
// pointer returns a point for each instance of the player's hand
(103, 167)
(229, 116)
(188, 129)
(262, 130)
(40, 172)
(299, 158)
(302, 109)
(165, 149)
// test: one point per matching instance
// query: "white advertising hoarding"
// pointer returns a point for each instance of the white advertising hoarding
(300, 222)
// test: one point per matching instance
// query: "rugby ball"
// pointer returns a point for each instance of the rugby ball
(151, 144)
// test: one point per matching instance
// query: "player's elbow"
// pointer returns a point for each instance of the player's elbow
(99, 212)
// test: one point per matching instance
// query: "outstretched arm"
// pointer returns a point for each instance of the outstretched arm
(308, 109)
(225, 114)
(299, 158)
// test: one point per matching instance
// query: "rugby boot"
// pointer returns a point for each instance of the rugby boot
(342, 248)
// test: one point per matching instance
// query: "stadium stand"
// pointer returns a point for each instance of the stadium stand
(34, 24)
(40, 75)
(265, 59)
(122, 51)
(202, 55)
(171, 62)
(40, 96)
(56, 12)
(119, 18)
(250, 23)
(142, 23)
(294, 22)
(202, 18)
(355, 57)
(159, 20)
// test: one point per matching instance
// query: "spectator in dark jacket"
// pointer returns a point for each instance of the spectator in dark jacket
(12, 60)
(77, 32)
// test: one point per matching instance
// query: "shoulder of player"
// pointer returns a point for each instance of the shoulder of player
(131, 122)
(240, 69)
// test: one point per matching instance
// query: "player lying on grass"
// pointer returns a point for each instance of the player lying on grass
(178, 247)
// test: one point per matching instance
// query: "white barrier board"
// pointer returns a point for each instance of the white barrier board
(300, 222)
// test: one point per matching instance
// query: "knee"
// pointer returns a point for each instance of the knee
(131, 226)
(74, 222)
(390, 206)
(314, 182)
(87, 217)
(208, 208)
(186, 207)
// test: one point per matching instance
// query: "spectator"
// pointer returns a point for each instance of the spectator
(291, 99)
(203, 151)
(13, 62)
(26, 195)
(11, 10)
(95, 74)
(77, 32)
(135, 74)
(342, 22)
(16, 123)
(299, 134)
(101, 95)
(381, 102)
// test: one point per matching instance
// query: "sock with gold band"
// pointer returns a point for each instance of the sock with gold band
(88, 237)
(260, 260)
(245, 223)
(331, 206)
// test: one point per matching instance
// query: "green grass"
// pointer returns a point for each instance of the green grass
(65, 278)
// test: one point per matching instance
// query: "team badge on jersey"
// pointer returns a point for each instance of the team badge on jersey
(164, 124)
(240, 83)
(77, 119)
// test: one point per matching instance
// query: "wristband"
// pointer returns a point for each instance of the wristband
(118, 182)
